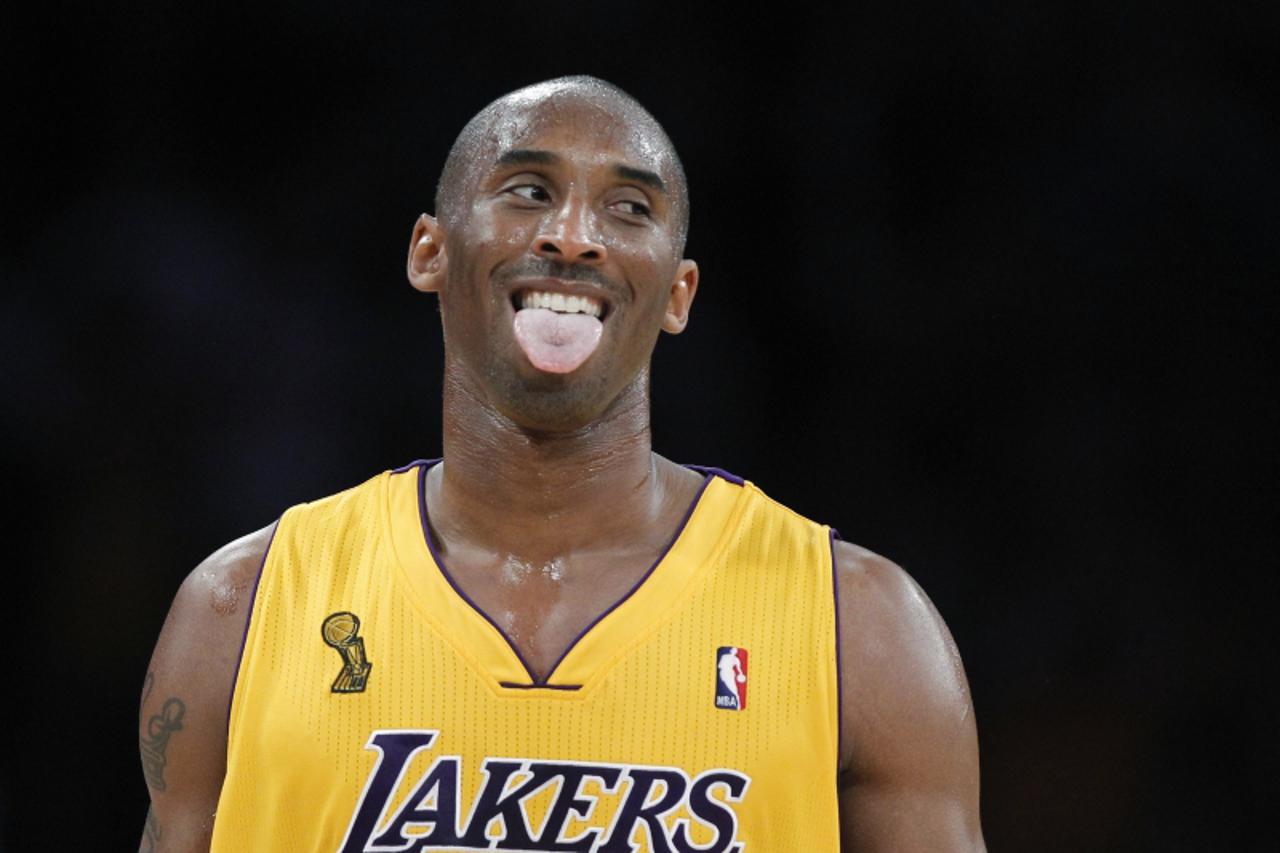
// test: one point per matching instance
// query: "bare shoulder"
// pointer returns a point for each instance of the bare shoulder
(893, 638)
(187, 692)
(222, 579)
(211, 605)
(909, 755)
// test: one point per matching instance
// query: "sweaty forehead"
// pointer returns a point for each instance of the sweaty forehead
(557, 118)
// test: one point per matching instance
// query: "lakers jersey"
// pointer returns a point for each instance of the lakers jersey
(377, 709)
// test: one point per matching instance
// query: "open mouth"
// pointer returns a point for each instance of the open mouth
(557, 331)
(560, 303)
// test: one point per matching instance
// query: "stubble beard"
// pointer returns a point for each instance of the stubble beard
(562, 405)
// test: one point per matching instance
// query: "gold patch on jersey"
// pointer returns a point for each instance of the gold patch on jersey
(341, 631)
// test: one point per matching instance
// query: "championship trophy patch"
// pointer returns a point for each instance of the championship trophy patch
(341, 631)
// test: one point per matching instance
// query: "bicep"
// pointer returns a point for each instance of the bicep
(910, 763)
(917, 808)
(182, 724)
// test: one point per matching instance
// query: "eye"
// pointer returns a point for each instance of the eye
(531, 192)
(638, 208)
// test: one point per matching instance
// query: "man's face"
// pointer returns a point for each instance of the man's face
(568, 198)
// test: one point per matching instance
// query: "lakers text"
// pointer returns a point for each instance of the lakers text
(430, 817)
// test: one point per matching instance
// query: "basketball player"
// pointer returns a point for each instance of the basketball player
(554, 638)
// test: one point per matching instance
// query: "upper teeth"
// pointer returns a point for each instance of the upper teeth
(561, 303)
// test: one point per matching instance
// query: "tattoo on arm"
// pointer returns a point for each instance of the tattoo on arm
(159, 729)
(150, 833)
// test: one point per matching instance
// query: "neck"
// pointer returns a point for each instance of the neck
(522, 491)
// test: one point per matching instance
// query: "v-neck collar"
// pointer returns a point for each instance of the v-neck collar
(479, 639)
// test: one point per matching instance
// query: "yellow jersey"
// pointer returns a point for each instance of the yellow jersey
(376, 708)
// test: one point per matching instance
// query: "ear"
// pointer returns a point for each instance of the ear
(427, 258)
(683, 289)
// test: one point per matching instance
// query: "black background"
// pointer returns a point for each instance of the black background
(986, 289)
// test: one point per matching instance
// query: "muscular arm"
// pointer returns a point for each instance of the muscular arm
(909, 763)
(183, 716)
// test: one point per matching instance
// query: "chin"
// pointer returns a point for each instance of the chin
(548, 402)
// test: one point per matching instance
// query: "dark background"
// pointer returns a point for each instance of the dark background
(987, 290)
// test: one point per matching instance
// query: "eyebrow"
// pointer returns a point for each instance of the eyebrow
(535, 157)
(643, 176)
(526, 156)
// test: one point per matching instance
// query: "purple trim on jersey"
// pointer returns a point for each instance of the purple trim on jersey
(404, 469)
(534, 681)
(688, 513)
(719, 472)
(835, 594)
(515, 686)
(435, 555)
(253, 597)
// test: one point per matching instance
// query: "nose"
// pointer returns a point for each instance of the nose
(571, 235)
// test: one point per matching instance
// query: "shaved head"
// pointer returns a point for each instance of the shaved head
(476, 141)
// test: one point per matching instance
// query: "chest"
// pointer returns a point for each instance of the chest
(630, 727)
(543, 606)
(625, 743)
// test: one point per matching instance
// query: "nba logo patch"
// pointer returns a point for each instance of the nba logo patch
(731, 678)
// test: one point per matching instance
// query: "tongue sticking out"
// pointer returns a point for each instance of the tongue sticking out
(556, 343)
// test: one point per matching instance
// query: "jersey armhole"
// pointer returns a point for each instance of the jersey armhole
(248, 627)
(832, 536)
